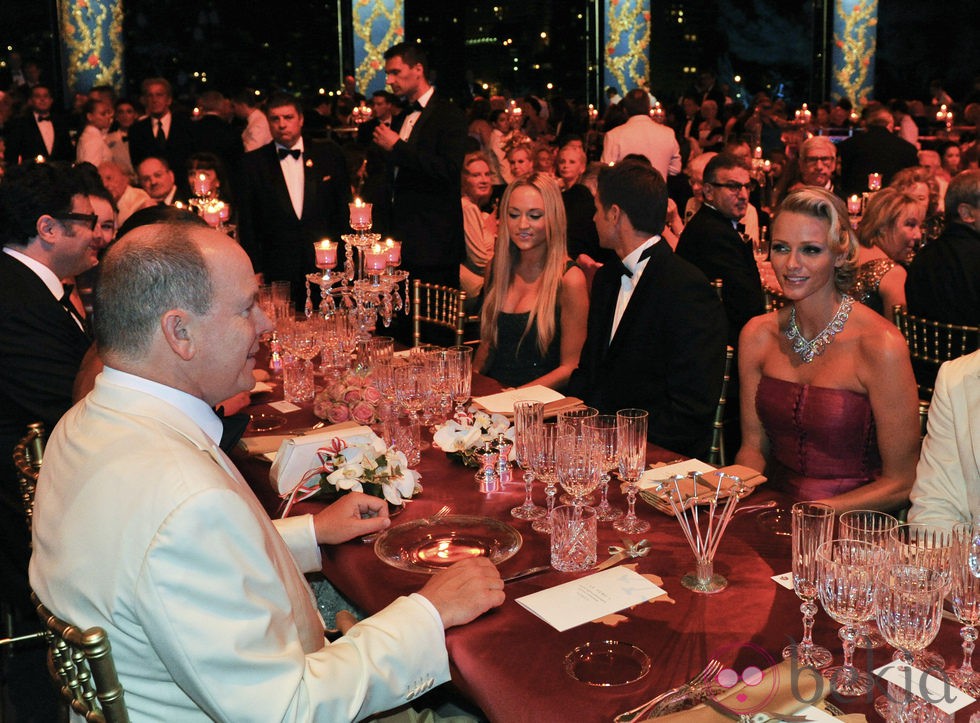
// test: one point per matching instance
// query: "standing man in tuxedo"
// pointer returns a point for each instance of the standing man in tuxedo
(39, 132)
(656, 330)
(877, 150)
(47, 226)
(425, 147)
(162, 133)
(294, 192)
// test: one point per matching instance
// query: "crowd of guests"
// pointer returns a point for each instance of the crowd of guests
(610, 259)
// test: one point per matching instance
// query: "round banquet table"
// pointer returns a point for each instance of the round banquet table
(510, 663)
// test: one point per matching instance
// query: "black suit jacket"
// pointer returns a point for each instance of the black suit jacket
(213, 135)
(25, 143)
(943, 282)
(668, 355)
(179, 145)
(875, 151)
(711, 243)
(41, 349)
(425, 212)
(280, 244)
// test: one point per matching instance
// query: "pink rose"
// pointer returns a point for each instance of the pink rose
(362, 412)
(336, 390)
(338, 413)
(371, 394)
(352, 396)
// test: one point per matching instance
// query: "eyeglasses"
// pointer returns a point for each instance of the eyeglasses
(90, 219)
(814, 160)
(732, 186)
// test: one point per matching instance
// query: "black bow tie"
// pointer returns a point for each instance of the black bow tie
(414, 107)
(294, 152)
(46, 117)
(740, 227)
(647, 253)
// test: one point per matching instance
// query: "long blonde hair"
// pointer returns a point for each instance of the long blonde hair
(501, 271)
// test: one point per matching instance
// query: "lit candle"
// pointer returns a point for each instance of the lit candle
(201, 185)
(767, 166)
(360, 214)
(757, 153)
(393, 249)
(874, 181)
(376, 258)
(39, 158)
(326, 254)
(224, 211)
(211, 214)
(854, 205)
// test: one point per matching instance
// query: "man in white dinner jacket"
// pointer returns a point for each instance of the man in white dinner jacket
(144, 527)
(947, 480)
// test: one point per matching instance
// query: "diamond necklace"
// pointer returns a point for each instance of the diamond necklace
(815, 347)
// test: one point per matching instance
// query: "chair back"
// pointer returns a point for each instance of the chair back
(772, 300)
(80, 662)
(717, 456)
(718, 285)
(438, 305)
(931, 343)
(28, 454)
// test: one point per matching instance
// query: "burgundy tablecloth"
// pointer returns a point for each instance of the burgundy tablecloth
(510, 663)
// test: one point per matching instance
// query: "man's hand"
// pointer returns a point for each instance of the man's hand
(465, 591)
(353, 515)
(385, 137)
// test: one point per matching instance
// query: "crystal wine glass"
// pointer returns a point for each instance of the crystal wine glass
(460, 375)
(544, 465)
(578, 467)
(631, 441)
(846, 575)
(575, 419)
(813, 525)
(528, 415)
(601, 430)
(409, 381)
(869, 526)
(965, 594)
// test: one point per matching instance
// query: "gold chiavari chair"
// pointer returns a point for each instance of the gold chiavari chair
(772, 300)
(438, 305)
(717, 456)
(933, 342)
(28, 454)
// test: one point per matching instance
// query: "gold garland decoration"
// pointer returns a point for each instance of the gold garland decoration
(82, 23)
(627, 22)
(373, 61)
(857, 43)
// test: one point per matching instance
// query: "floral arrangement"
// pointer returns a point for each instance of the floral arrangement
(360, 463)
(467, 432)
(354, 398)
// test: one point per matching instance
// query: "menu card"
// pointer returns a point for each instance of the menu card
(939, 693)
(503, 402)
(588, 598)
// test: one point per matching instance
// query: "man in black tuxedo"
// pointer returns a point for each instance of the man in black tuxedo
(162, 133)
(213, 132)
(47, 226)
(38, 132)
(656, 330)
(294, 192)
(877, 150)
(382, 113)
(425, 147)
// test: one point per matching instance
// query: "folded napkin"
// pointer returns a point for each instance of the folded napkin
(503, 402)
(652, 478)
(262, 387)
(265, 443)
(777, 694)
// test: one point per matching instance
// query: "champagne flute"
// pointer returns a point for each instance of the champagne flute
(813, 525)
(846, 575)
(965, 594)
(601, 430)
(460, 375)
(545, 441)
(869, 526)
(631, 441)
(528, 415)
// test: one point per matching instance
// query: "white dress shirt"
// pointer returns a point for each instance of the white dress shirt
(627, 283)
(412, 118)
(292, 172)
(256, 133)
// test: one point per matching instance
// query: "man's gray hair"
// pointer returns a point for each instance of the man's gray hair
(151, 270)
(964, 188)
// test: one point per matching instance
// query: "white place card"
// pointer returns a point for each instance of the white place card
(786, 580)
(262, 387)
(573, 603)
(653, 477)
(503, 402)
(284, 406)
(937, 692)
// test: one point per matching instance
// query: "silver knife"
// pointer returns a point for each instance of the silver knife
(527, 573)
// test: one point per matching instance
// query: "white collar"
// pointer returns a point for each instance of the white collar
(49, 277)
(424, 99)
(296, 146)
(195, 408)
(632, 259)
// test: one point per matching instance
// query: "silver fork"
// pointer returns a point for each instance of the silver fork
(702, 678)
(431, 520)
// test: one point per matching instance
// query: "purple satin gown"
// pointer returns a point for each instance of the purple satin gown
(822, 441)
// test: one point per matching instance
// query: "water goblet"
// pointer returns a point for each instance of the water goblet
(601, 430)
(544, 466)
(631, 443)
(813, 525)
(527, 416)
(965, 594)
(578, 467)
(575, 419)
(460, 375)
(846, 575)
(409, 390)
(300, 340)
(869, 526)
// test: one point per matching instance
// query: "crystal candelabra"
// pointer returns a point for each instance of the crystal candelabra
(369, 283)
(945, 116)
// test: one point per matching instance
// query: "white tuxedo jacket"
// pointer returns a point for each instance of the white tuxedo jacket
(947, 480)
(144, 527)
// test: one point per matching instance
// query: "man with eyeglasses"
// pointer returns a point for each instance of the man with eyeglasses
(818, 163)
(47, 229)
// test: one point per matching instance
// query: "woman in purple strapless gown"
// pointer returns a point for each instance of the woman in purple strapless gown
(829, 402)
